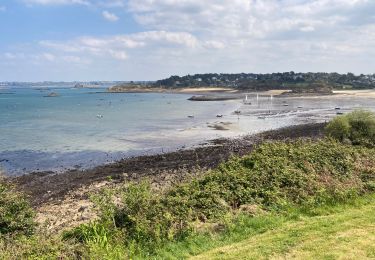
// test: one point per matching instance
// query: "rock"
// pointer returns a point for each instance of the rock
(82, 208)
(52, 94)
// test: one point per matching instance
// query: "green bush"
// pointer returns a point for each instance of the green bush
(138, 219)
(16, 214)
(358, 127)
(40, 246)
(274, 177)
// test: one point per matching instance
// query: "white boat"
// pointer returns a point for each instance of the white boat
(246, 101)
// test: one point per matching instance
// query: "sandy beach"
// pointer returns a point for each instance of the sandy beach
(355, 93)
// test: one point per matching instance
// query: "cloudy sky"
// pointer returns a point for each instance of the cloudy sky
(152, 39)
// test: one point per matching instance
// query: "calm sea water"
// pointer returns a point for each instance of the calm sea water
(84, 128)
(81, 127)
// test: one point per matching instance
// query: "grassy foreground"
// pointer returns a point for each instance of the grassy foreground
(346, 232)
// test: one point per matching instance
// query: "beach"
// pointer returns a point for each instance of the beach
(62, 200)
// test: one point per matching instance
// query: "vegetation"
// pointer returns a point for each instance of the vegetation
(285, 80)
(275, 178)
(16, 215)
(281, 200)
(335, 232)
(357, 128)
(19, 236)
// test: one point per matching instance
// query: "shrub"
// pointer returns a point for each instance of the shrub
(16, 214)
(138, 220)
(40, 246)
(339, 128)
(273, 177)
(144, 217)
(357, 126)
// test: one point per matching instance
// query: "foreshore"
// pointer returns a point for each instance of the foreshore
(48, 186)
(62, 200)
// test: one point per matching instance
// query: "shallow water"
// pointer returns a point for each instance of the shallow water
(81, 127)
(87, 127)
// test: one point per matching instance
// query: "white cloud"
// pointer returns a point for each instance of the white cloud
(13, 55)
(119, 55)
(57, 2)
(191, 36)
(48, 56)
(117, 46)
(214, 44)
(110, 16)
(251, 19)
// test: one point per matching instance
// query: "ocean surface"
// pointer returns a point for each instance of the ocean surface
(82, 128)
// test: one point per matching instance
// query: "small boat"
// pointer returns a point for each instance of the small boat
(339, 113)
(190, 116)
(261, 117)
(337, 108)
(99, 116)
(299, 107)
(219, 115)
(246, 101)
(285, 105)
(237, 112)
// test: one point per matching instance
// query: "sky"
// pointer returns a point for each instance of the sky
(84, 40)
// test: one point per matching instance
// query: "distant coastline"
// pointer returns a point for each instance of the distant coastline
(125, 88)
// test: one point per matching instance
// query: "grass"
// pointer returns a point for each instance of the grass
(339, 232)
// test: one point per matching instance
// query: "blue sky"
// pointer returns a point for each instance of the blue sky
(152, 39)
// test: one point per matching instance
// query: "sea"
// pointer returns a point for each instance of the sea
(81, 128)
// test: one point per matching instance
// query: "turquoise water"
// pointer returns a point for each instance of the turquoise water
(83, 128)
